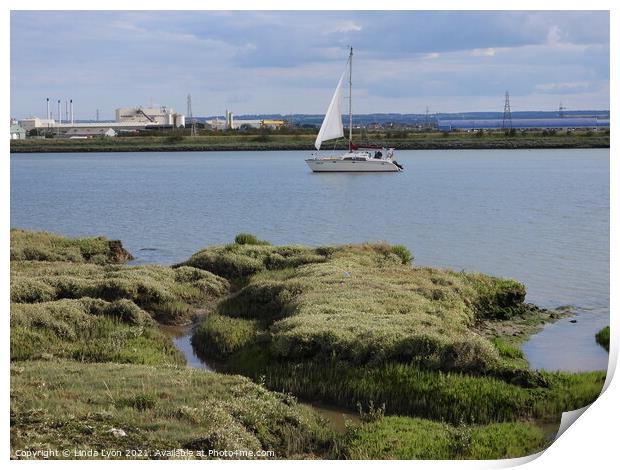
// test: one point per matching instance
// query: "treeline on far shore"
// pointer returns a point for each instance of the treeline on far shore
(303, 139)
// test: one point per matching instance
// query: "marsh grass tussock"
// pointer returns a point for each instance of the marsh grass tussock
(363, 304)
(360, 325)
(602, 338)
(219, 336)
(44, 246)
(164, 292)
(89, 330)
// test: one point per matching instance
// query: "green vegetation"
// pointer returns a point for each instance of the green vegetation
(403, 253)
(89, 330)
(412, 438)
(174, 138)
(167, 294)
(361, 304)
(240, 260)
(68, 313)
(508, 351)
(249, 239)
(219, 337)
(46, 267)
(294, 139)
(71, 405)
(602, 338)
(350, 325)
(360, 324)
(407, 389)
(43, 246)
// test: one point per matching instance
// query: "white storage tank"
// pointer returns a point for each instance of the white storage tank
(179, 120)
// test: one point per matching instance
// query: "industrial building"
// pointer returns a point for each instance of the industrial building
(128, 119)
(17, 131)
(230, 122)
(558, 123)
(36, 123)
(161, 116)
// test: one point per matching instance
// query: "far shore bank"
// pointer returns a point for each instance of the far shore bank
(274, 142)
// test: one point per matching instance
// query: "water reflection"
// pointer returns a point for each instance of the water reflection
(181, 337)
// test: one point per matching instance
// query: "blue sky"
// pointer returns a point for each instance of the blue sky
(289, 62)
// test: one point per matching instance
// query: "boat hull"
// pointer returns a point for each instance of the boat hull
(348, 166)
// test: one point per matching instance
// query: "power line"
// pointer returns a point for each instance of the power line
(561, 110)
(507, 120)
(190, 115)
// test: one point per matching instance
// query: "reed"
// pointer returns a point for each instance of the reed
(602, 338)
(410, 390)
(412, 438)
(249, 239)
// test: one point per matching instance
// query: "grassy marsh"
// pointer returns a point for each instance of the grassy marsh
(407, 389)
(291, 139)
(91, 369)
(349, 325)
(167, 294)
(602, 338)
(89, 330)
(359, 325)
(363, 305)
(71, 405)
(412, 438)
(44, 246)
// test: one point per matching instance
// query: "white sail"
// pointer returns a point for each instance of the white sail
(354, 160)
(332, 123)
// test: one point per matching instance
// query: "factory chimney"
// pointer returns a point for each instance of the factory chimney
(71, 104)
(47, 100)
(229, 119)
(59, 115)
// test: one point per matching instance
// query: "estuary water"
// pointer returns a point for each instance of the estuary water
(538, 216)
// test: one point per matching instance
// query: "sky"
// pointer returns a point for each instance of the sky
(263, 62)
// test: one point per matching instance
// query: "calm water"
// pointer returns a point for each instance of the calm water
(539, 216)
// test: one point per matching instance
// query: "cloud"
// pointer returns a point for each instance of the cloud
(288, 61)
(554, 36)
(488, 52)
(563, 87)
(345, 27)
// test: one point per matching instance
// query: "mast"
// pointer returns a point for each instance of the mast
(350, 88)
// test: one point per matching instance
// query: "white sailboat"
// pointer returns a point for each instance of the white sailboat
(356, 159)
